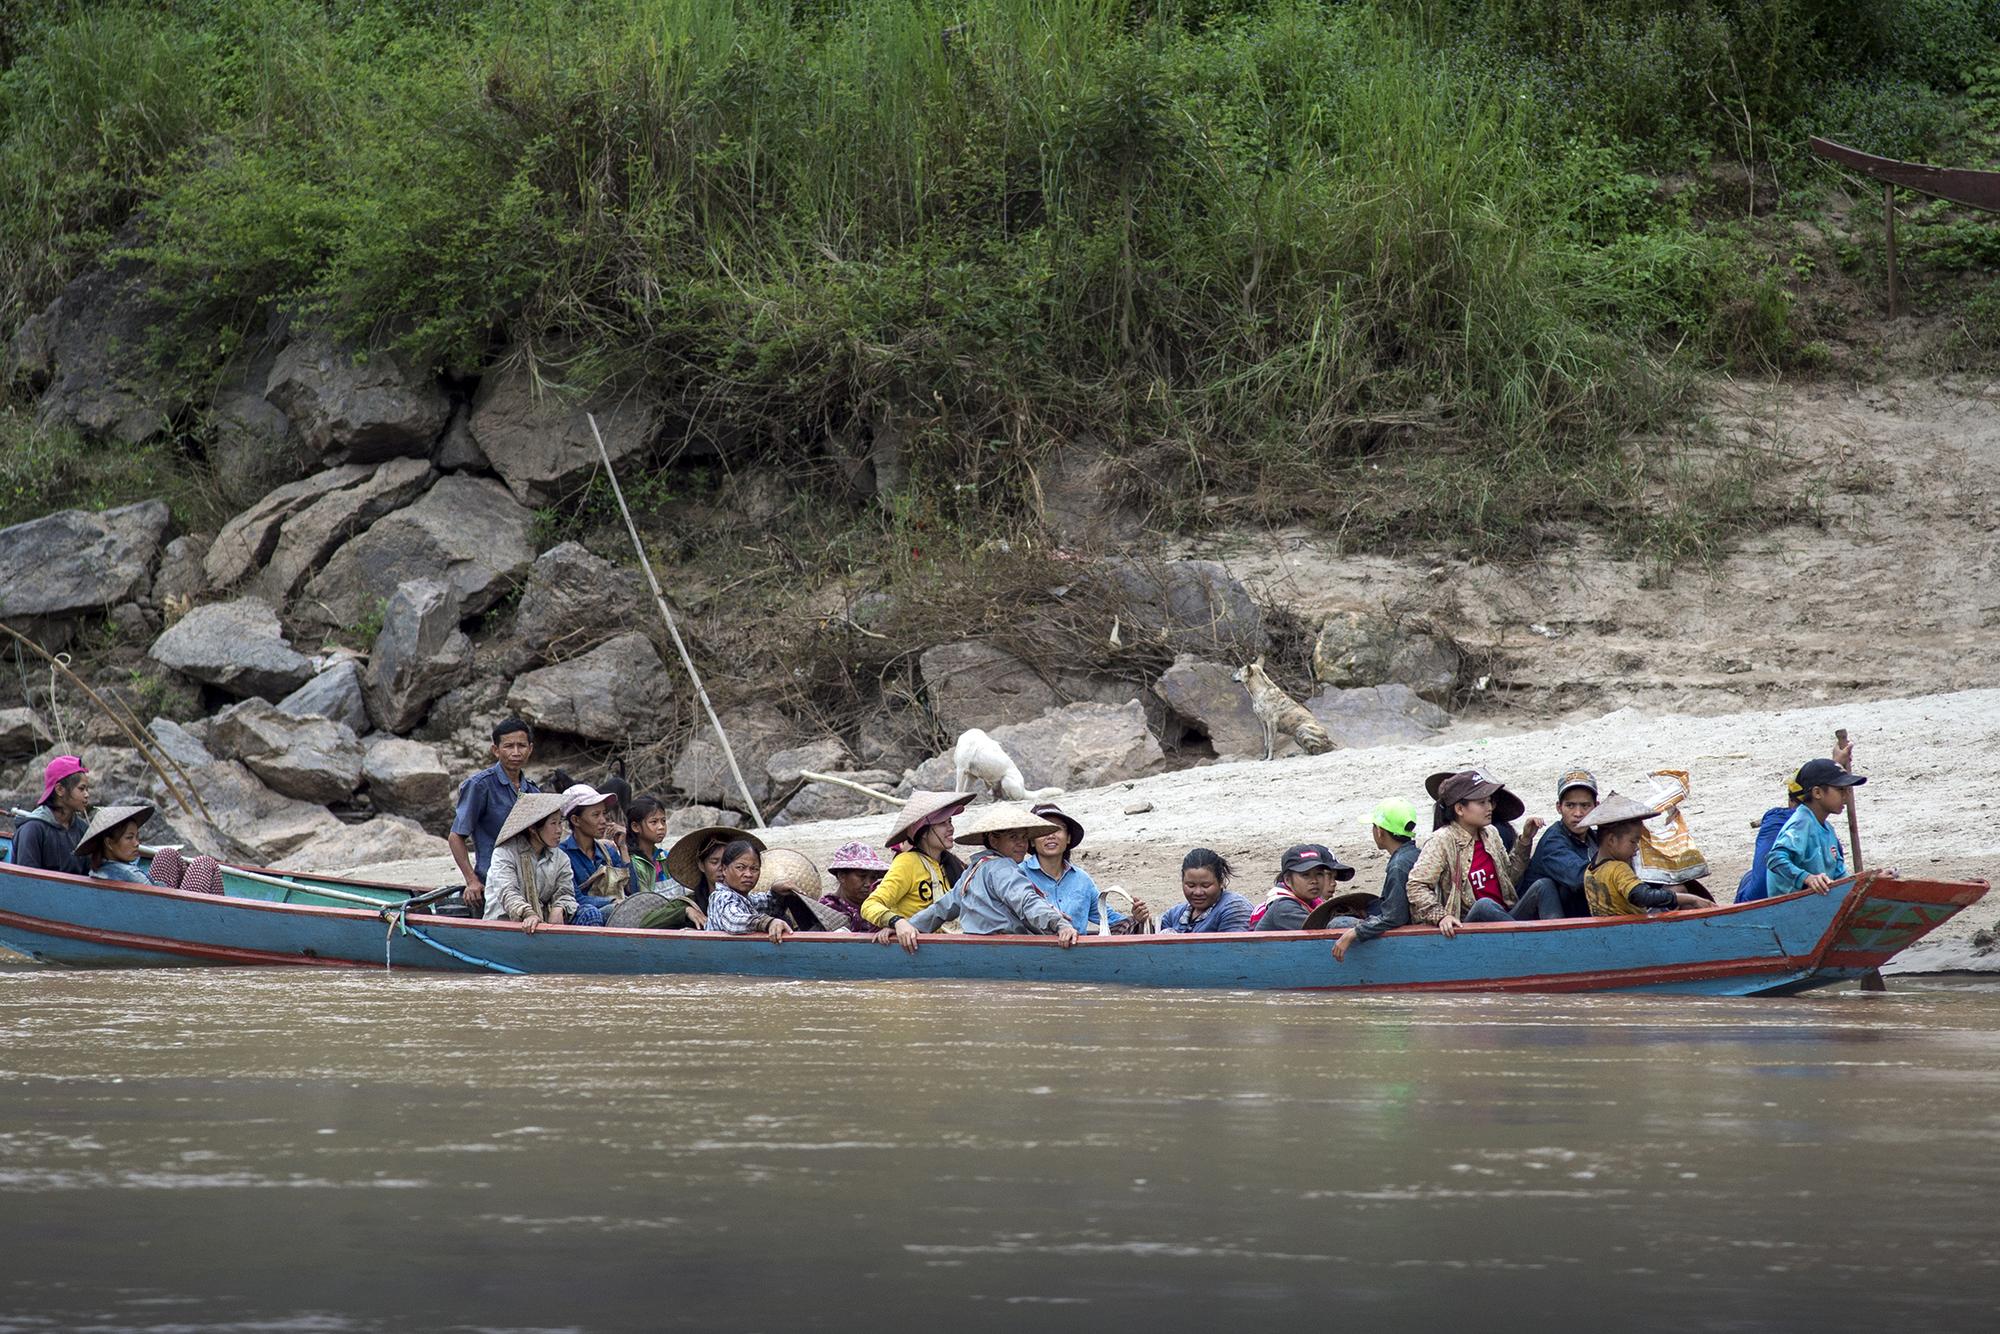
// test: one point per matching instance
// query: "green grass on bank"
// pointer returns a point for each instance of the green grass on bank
(1401, 268)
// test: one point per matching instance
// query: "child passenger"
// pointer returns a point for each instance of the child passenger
(1211, 905)
(110, 843)
(1806, 855)
(1393, 825)
(1610, 884)
(857, 869)
(924, 869)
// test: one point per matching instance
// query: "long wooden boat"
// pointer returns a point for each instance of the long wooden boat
(268, 918)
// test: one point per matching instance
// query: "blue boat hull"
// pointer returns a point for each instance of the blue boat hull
(1777, 946)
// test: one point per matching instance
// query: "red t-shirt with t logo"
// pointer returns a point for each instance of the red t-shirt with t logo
(1483, 875)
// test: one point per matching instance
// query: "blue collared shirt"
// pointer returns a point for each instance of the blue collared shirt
(1805, 846)
(587, 864)
(1562, 857)
(483, 803)
(1230, 913)
(1075, 893)
(993, 897)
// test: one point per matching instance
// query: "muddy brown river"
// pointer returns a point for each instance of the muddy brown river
(281, 1151)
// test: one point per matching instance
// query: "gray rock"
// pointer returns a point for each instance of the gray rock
(408, 778)
(179, 745)
(472, 708)
(541, 444)
(311, 758)
(827, 755)
(131, 623)
(22, 733)
(96, 340)
(236, 646)
(457, 451)
(936, 774)
(830, 801)
(701, 772)
(466, 531)
(612, 693)
(690, 818)
(420, 654)
(181, 578)
(1083, 745)
(74, 561)
(312, 533)
(353, 848)
(248, 539)
(350, 411)
(573, 601)
(1364, 649)
(253, 447)
(973, 684)
(1193, 606)
(1376, 716)
(1205, 697)
(890, 740)
(334, 693)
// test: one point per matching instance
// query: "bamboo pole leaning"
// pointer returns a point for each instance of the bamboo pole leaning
(673, 630)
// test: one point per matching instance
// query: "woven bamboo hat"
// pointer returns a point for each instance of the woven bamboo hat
(1351, 900)
(684, 858)
(998, 818)
(785, 869)
(106, 819)
(1616, 809)
(920, 808)
(530, 809)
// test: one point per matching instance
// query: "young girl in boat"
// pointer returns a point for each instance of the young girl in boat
(1211, 905)
(110, 844)
(645, 829)
(1466, 873)
(46, 837)
(595, 865)
(529, 879)
(924, 869)
(1309, 877)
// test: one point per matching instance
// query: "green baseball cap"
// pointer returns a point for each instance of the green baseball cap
(1395, 816)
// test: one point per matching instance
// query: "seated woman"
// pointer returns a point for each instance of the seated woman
(110, 843)
(1465, 872)
(694, 865)
(857, 869)
(1610, 884)
(46, 837)
(530, 880)
(1307, 875)
(595, 865)
(994, 896)
(1211, 905)
(735, 905)
(1050, 870)
(924, 869)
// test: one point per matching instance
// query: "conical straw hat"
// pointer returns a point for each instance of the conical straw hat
(1000, 817)
(783, 868)
(530, 809)
(107, 819)
(1615, 809)
(684, 858)
(921, 807)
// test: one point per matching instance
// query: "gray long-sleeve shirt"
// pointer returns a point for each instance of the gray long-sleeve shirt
(554, 887)
(994, 897)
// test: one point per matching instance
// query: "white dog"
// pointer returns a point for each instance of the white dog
(978, 755)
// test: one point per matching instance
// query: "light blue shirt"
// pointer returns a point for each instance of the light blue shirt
(1075, 893)
(1805, 846)
(992, 898)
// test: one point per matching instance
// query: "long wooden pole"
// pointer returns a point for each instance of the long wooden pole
(1889, 223)
(1872, 979)
(666, 614)
(865, 790)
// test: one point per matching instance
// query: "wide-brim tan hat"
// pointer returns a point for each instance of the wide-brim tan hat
(530, 809)
(1616, 809)
(919, 810)
(999, 818)
(107, 819)
(684, 858)
(1351, 902)
(783, 868)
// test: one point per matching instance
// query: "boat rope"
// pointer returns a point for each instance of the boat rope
(398, 918)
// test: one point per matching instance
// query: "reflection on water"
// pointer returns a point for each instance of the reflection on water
(276, 1151)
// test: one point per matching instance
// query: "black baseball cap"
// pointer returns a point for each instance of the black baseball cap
(1825, 773)
(1311, 857)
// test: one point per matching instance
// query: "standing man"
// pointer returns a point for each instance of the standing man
(484, 801)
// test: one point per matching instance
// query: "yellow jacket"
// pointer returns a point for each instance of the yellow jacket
(914, 883)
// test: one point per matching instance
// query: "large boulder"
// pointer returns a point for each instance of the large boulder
(22, 733)
(311, 758)
(273, 547)
(1207, 698)
(573, 601)
(408, 778)
(687, 819)
(701, 771)
(1083, 745)
(95, 348)
(351, 409)
(540, 442)
(973, 684)
(1365, 649)
(419, 654)
(1193, 606)
(252, 446)
(262, 824)
(466, 531)
(73, 561)
(334, 693)
(831, 801)
(354, 848)
(235, 646)
(825, 756)
(1376, 716)
(181, 746)
(617, 690)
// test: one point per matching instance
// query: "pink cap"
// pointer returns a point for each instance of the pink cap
(59, 768)
(857, 857)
